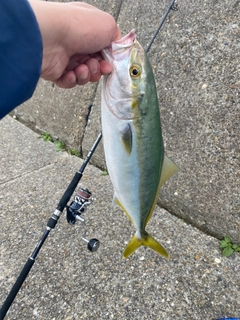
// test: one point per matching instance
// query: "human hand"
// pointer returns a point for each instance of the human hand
(73, 34)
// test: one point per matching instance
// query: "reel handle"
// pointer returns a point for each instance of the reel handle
(92, 244)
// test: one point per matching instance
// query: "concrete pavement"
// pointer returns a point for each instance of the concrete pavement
(68, 282)
(195, 59)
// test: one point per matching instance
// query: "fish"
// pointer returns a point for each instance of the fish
(132, 137)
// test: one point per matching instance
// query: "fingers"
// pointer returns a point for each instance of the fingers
(67, 80)
(89, 71)
(104, 28)
(105, 67)
(81, 74)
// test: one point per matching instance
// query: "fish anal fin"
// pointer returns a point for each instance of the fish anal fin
(116, 202)
(147, 241)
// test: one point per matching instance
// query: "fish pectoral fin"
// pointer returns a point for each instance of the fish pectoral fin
(168, 169)
(126, 137)
(147, 241)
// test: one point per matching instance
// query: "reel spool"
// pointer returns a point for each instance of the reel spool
(78, 206)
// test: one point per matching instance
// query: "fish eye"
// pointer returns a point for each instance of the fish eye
(135, 71)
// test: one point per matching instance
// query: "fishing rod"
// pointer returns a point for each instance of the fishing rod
(172, 6)
(74, 211)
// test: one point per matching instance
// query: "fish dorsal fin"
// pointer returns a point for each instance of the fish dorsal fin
(168, 169)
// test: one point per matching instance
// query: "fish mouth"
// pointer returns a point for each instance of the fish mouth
(124, 42)
(119, 46)
(116, 52)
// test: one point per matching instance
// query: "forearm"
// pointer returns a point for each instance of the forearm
(51, 18)
(20, 54)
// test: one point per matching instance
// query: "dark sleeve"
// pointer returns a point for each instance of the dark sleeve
(20, 53)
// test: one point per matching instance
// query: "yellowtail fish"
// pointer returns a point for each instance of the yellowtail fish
(132, 137)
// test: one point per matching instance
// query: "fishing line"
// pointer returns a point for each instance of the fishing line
(74, 210)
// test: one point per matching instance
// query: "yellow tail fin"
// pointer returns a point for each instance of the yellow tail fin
(147, 241)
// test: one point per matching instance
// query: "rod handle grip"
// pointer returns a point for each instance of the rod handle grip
(16, 287)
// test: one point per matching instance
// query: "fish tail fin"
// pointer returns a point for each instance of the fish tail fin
(147, 241)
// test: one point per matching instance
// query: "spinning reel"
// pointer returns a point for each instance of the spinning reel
(75, 210)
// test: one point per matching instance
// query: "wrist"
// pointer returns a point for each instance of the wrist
(51, 19)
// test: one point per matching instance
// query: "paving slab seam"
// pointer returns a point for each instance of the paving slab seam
(188, 221)
(25, 174)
